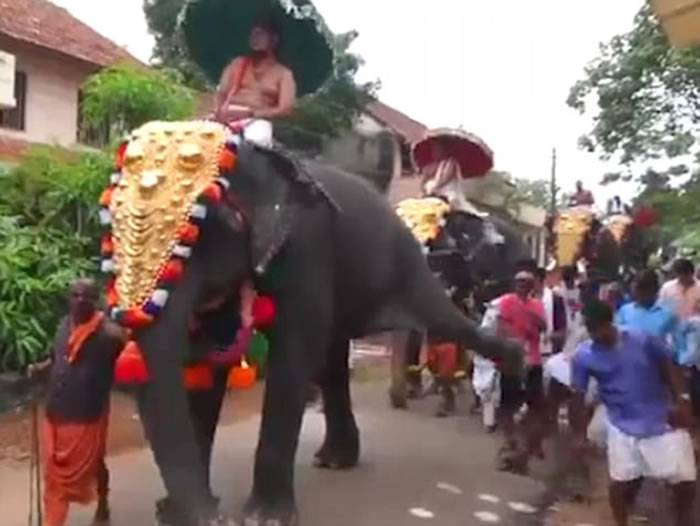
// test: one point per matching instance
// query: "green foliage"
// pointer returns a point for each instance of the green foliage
(331, 110)
(647, 95)
(646, 100)
(170, 50)
(49, 235)
(125, 97)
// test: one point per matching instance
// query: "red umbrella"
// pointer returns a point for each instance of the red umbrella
(473, 155)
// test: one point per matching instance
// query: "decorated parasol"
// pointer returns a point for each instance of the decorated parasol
(217, 31)
(475, 158)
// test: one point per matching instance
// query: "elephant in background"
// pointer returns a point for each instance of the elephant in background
(474, 259)
(340, 265)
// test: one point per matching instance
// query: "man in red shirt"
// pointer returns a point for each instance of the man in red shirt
(522, 317)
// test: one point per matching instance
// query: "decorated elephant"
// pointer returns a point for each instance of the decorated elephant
(609, 246)
(473, 260)
(195, 212)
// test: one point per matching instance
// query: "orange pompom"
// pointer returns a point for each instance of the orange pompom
(189, 234)
(198, 378)
(106, 197)
(131, 368)
(242, 377)
(227, 161)
(172, 271)
(136, 319)
(107, 245)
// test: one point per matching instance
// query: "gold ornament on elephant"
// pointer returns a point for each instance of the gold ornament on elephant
(570, 229)
(424, 217)
(166, 167)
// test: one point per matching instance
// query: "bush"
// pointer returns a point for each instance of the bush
(49, 235)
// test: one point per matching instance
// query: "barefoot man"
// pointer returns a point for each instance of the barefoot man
(77, 409)
(257, 88)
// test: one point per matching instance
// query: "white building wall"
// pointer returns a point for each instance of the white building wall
(53, 83)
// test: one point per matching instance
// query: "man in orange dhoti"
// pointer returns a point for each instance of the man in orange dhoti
(77, 410)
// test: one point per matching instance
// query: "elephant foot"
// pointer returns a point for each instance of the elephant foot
(339, 454)
(256, 513)
(398, 400)
(168, 513)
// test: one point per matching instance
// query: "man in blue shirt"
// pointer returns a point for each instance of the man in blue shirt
(648, 412)
(646, 313)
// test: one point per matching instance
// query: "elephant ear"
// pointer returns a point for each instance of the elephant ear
(273, 201)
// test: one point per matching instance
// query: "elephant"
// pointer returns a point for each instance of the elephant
(340, 265)
(474, 258)
(611, 246)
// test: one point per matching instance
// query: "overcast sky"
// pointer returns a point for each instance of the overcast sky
(500, 68)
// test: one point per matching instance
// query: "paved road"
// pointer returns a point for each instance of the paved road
(415, 470)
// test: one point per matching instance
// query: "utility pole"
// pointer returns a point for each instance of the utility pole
(553, 184)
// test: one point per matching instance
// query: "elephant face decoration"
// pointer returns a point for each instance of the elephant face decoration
(166, 175)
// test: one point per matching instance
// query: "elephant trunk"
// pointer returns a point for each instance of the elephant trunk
(164, 405)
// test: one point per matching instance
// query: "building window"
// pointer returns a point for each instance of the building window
(14, 119)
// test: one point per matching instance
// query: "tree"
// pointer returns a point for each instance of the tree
(645, 97)
(124, 97)
(170, 50)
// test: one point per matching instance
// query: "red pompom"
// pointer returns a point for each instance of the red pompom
(106, 197)
(136, 319)
(121, 155)
(213, 193)
(264, 312)
(172, 271)
(107, 245)
(227, 161)
(131, 368)
(198, 378)
(645, 217)
(188, 234)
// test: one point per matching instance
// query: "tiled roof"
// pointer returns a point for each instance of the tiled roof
(43, 24)
(409, 129)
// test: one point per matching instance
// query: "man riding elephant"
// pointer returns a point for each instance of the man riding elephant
(196, 211)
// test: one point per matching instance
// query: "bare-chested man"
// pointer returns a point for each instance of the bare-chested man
(257, 88)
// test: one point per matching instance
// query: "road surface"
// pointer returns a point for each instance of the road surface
(415, 470)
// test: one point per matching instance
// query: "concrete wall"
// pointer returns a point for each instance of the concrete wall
(53, 83)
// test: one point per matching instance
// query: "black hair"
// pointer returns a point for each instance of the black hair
(526, 265)
(647, 280)
(569, 273)
(597, 313)
(683, 267)
(541, 273)
(270, 24)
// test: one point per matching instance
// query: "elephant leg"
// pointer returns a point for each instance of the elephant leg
(301, 338)
(405, 361)
(205, 409)
(341, 447)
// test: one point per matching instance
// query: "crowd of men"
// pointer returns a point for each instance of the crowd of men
(627, 352)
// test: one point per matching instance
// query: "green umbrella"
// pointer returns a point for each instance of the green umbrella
(217, 31)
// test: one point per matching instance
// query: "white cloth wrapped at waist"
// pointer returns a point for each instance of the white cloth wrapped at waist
(257, 131)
